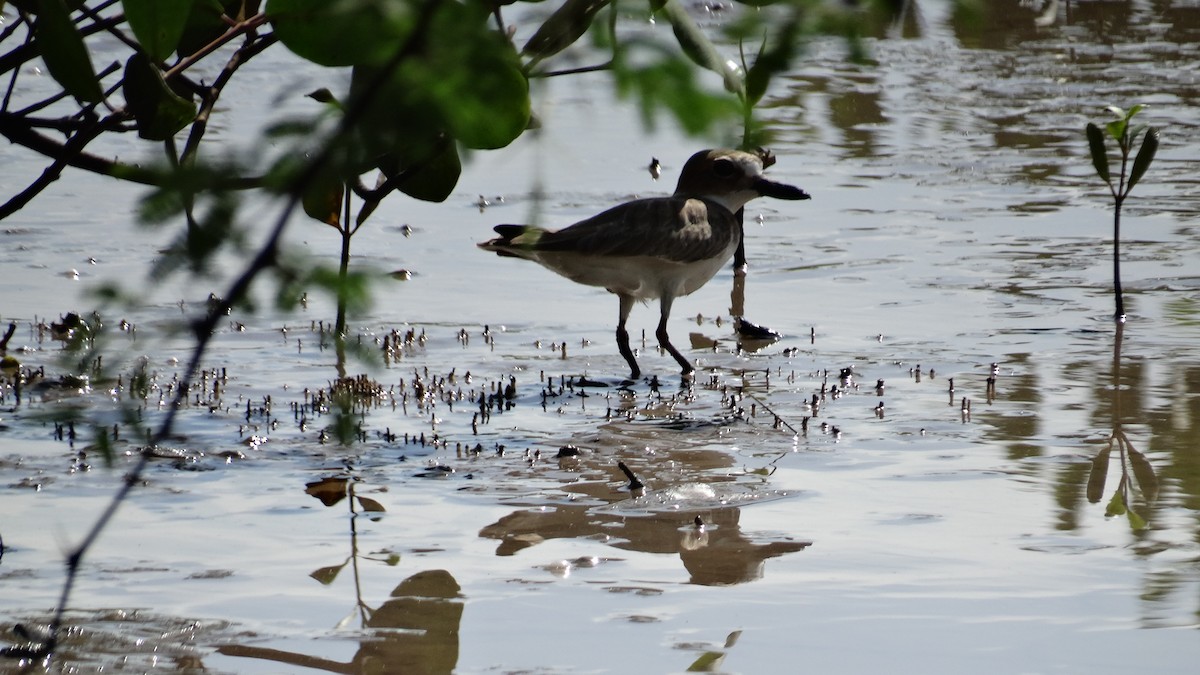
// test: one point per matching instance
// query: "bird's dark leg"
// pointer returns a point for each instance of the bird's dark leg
(623, 337)
(739, 256)
(664, 340)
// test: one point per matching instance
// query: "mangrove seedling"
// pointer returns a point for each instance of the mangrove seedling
(1126, 136)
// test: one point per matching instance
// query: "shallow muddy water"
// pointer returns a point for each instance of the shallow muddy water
(956, 233)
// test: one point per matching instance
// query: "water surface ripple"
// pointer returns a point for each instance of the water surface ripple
(994, 479)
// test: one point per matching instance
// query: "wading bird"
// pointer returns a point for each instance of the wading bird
(661, 247)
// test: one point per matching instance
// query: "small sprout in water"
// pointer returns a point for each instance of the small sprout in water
(634, 483)
(1125, 134)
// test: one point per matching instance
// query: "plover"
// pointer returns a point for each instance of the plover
(661, 247)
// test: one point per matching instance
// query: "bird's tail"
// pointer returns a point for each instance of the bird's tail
(513, 239)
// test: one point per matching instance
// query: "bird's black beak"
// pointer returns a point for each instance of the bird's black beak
(769, 188)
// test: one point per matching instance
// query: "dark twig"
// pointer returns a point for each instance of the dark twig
(574, 71)
(252, 48)
(73, 147)
(20, 131)
(205, 328)
(12, 80)
(12, 328)
(28, 51)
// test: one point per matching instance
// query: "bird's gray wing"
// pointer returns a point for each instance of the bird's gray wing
(672, 228)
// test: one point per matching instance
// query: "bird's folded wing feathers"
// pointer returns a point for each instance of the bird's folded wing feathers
(672, 228)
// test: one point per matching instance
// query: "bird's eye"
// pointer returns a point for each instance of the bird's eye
(724, 168)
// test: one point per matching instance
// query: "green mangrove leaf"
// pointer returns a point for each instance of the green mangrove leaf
(1136, 522)
(103, 444)
(322, 199)
(494, 109)
(434, 180)
(64, 53)
(159, 111)
(370, 505)
(1144, 158)
(368, 207)
(327, 575)
(323, 95)
(771, 61)
(329, 491)
(1099, 152)
(464, 82)
(670, 83)
(157, 24)
(707, 662)
(1098, 476)
(1119, 113)
(1116, 505)
(1144, 473)
(732, 639)
(1116, 129)
(474, 76)
(399, 120)
(213, 230)
(204, 23)
(428, 584)
(1137, 108)
(341, 32)
(696, 45)
(758, 76)
(566, 25)
(355, 290)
